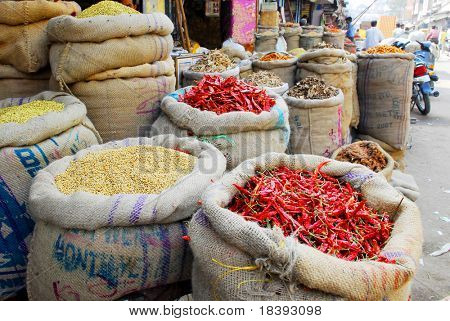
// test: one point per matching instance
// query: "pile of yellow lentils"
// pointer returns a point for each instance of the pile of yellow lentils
(384, 49)
(126, 170)
(23, 113)
(106, 8)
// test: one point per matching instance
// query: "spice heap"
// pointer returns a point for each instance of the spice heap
(312, 88)
(275, 56)
(264, 79)
(106, 8)
(332, 29)
(213, 93)
(364, 153)
(213, 61)
(319, 210)
(384, 49)
(324, 45)
(23, 113)
(127, 170)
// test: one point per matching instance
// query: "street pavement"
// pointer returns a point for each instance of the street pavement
(428, 161)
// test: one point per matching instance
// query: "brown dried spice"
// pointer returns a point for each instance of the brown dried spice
(264, 78)
(213, 61)
(364, 153)
(312, 88)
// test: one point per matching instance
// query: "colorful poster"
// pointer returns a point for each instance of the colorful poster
(243, 21)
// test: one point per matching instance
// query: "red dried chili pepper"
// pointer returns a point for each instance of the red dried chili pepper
(318, 209)
(213, 93)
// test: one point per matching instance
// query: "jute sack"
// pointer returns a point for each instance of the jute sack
(338, 75)
(133, 96)
(334, 38)
(384, 92)
(397, 154)
(190, 78)
(133, 242)
(386, 172)
(23, 33)
(285, 69)
(238, 135)
(292, 37)
(85, 47)
(235, 259)
(355, 114)
(266, 41)
(309, 40)
(316, 124)
(24, 150)
(14, 83)
(326, 56)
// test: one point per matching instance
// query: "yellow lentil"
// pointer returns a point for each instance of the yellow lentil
(23, 113)
(106, 8)
(126, 170)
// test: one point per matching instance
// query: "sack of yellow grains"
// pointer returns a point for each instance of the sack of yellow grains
(111, 219)
(117, 61)
(23, 33)
(14, 83)
(385, 76)
(34, 131)
(249, 258)
(338, 74)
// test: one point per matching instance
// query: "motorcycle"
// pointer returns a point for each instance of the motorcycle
(425, 53)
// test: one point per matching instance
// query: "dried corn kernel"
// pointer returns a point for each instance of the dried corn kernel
(384, 49)
(106, 8)
(127, 170)
(23, 113)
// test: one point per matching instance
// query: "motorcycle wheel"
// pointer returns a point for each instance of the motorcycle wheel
(423, 103)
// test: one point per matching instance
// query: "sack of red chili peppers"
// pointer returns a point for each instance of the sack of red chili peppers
(303, 227)
(315, 117)
(241, 120)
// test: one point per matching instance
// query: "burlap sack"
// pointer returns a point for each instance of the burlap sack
(326, 56)
(384, 92)
(14, 83)
(133, 242)
(245, 68)
(334, 38)
(123, 107)
(309, 29)
(191, 78)
(405, 184)
(235, 259)
(356, 113)
(23, 33)
(338, 75)
(266, 42)
(238, 135)
(24, 150)
(316, 124)
(386, 172)
(308, 41)
(292, 37)
(285, 69)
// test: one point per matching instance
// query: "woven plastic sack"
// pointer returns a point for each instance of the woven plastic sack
(384, 92)
(339, 75)
(280, 90)
(386, 172)
(238, 135)
(316, 124)
(133, 96)
(285, 69)
(24, 150)
(236, 259)
(190, 78)
(133, 242)
(334, 38)
(14, 83)
(23, 33)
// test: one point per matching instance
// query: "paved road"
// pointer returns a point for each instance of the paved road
(429, 162)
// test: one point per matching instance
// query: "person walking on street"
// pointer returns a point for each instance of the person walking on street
(398, 31)
(433, 36)
(373, 36)
(443, 40)
(351, 29)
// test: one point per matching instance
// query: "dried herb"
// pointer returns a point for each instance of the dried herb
(312, 88)
(213, 93)
(264, 79)
(364, 153)
(213, 61)
(317, 209)
(325, 45)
